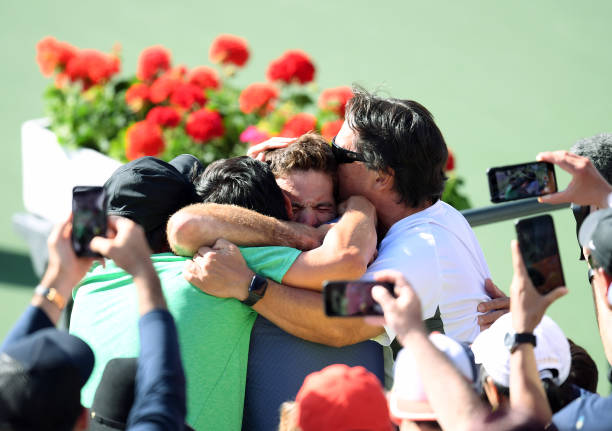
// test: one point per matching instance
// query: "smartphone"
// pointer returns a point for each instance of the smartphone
(538, 245)
(508, 183)
(88, 218)
(352, 298)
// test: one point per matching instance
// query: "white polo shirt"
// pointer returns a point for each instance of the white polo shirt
(438, 253)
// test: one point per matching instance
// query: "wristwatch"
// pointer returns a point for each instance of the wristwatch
(512, 341)
(51, 295)
(257, 289)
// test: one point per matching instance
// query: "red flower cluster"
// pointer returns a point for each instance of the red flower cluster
(292, 66)
(186, 95)
(52, 54)
(229, 49)
(91, 67)
(204, 77)
(143, 138)
(334, 99)
(258, 98)
(137, 95)
(331, 129)
(204, 125)
(298, 125)
(450, 162)
(164, 116)
(152, 61)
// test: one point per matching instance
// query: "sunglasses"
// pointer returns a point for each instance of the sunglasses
(345, 156)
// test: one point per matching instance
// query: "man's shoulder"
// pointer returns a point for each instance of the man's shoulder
(589, 411)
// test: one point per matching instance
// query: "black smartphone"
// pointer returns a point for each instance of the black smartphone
(538, 245)
(352, 298)
(508, 183)
(88, 218)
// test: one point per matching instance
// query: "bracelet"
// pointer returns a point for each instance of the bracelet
(51, 295)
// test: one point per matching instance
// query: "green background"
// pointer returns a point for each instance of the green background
(504, 80)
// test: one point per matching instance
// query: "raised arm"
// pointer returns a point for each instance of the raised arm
(345, 253)
(203, 224)
(222, 271)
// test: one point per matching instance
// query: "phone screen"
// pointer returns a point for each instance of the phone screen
(508, 183)
(538, 245)
(88, 218)
(352, 298)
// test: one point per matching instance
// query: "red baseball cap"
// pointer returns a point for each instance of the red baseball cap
(342, 398)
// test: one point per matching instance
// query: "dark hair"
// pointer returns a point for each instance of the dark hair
(598, 149)
(400, 135)
(583, 372)
(244, 182)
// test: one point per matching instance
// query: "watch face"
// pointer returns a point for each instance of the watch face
(509, 340)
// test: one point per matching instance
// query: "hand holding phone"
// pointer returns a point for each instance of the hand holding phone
(88, 218)
(538, 246)
(512, 182)
(352, 298)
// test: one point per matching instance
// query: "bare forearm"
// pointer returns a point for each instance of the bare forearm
(526, 390)
(345, 253)
(202, 224)
(300, 313)
(450, 396)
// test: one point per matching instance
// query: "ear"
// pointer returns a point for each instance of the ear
(491, 391)
(82, 421)
(384, 180)
(604, 287)
(288, 206)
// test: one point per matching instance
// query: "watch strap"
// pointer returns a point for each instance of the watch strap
(51, 295)
(521, 338)
(257, 289)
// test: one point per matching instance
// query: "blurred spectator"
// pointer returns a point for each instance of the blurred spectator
(552, 354)
(338, 398)
(42, 369)
(408, 400)
(584, 372)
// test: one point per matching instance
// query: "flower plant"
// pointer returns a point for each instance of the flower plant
(167, 109)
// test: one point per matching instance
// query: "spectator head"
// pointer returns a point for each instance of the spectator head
(41, 377)
(244, 182)
(115, 396)
(408, 403)
(306, 172)
(598, 149)
(595, 237)
(340, 398)
(399, 144)
(148, 191)
(552, 354)
(584, 370)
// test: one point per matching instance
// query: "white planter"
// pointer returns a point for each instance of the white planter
(50, 171)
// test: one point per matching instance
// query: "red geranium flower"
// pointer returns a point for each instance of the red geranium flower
(162, 88)
(143, 139)
(152, 61)
(334, 99)
(185, 95)
(291, 66)
(92, 67)
(164, 116)
(258, 97)
(227, 48)
(52, 54)
(253, 135)
(299, 124)
(331, 129)
(204, 77)
(137, 95)
(450, 162)
(204, 125)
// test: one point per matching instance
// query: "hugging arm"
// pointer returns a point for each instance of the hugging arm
(200, 225)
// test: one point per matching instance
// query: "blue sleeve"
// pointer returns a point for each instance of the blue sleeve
(32, 320)
(160, 401)
(590, 412)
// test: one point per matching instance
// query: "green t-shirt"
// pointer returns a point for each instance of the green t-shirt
(213, 332)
